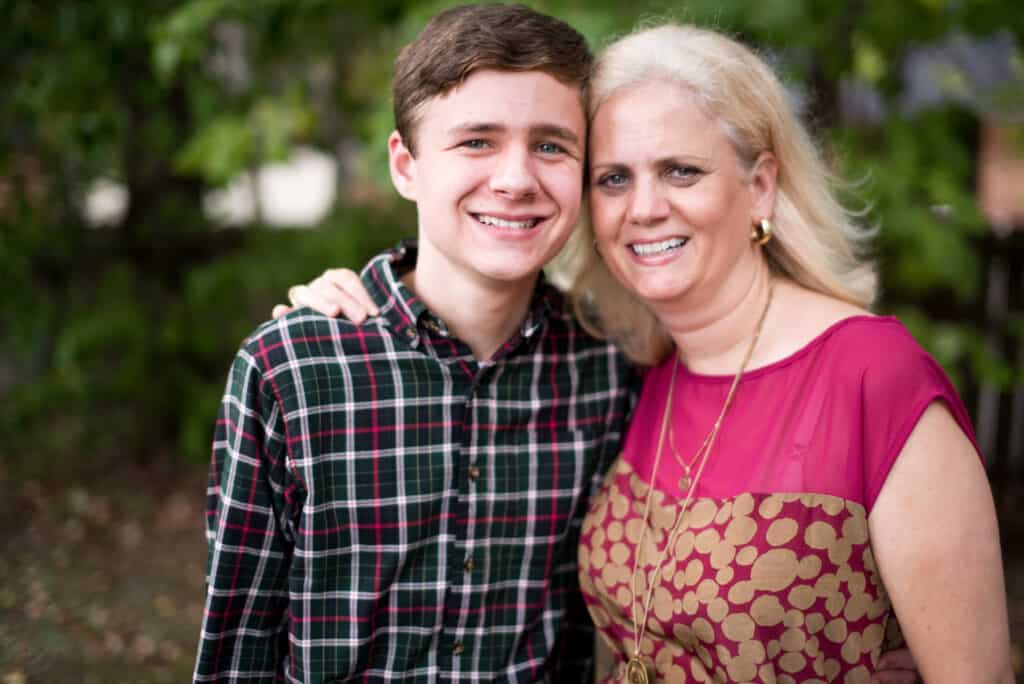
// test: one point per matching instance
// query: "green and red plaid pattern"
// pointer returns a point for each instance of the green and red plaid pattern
(381, 507)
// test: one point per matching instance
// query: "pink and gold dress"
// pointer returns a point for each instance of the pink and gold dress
(772, 577)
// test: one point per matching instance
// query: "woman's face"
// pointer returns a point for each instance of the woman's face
(672, 206)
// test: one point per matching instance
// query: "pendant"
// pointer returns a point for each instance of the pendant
(636, 671)
(685, 481)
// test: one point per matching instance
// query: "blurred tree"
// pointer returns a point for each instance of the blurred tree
(109, 333)
(116, 338)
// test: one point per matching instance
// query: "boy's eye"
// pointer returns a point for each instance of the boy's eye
(550, 148)
(474, 144)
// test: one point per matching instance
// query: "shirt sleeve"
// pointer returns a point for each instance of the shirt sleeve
(574, 653)
(896, 388)
(244, 636)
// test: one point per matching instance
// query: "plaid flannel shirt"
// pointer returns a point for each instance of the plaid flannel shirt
(381, 507)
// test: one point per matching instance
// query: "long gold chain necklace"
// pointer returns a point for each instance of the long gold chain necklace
(637, 671)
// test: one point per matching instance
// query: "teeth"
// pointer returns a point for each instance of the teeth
(651, 248)
(502, 223)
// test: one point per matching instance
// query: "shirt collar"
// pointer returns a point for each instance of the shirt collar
(408, 318)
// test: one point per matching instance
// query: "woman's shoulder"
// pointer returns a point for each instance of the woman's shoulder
(879, 348)
(844, 336)
(874, 356)
(871, 338)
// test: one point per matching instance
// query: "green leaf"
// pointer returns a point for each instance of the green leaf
(868, 61)
(183, 34)
(220, 150)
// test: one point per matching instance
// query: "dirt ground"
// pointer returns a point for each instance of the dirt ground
(103, 582)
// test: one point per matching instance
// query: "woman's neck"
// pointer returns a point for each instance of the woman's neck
(713, 335)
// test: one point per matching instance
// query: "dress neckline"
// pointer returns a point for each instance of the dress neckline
(820, 339)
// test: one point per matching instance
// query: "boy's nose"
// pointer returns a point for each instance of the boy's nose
(514, 175)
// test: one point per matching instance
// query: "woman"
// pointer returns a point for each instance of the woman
(813, 470)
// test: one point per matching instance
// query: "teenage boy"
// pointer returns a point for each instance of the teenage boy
(400, 500)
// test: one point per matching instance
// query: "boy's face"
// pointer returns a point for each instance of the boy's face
(497, 176)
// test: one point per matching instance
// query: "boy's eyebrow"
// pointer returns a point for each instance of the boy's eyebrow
(556, 131)
(474, 127)
(545, 130)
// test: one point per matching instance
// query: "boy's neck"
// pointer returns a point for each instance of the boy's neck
(482, 314)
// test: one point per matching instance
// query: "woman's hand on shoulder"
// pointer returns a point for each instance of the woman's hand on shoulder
(337, 291)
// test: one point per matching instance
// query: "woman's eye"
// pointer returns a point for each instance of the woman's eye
(687, 173)
(612, 180)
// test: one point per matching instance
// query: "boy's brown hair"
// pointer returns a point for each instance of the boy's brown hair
(464, 39)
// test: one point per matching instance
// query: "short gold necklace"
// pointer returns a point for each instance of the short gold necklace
(686, 479)
(637, 671)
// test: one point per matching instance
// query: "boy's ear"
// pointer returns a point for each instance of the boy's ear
(403, 167)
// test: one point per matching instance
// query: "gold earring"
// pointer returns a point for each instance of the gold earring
(761, 233)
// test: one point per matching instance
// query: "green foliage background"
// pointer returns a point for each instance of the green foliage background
(116, 340)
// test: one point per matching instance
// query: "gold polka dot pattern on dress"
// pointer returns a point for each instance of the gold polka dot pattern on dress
(746, 556)
(759, 587)
(781, 531)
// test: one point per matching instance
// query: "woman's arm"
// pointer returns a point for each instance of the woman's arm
(935, 539)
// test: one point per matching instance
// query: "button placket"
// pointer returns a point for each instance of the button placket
(411, 336)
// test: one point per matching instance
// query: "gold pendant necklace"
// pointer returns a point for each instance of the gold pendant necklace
(637, 669)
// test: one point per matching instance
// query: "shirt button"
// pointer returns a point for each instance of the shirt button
(458, 648)
(469, 565)
(473, 473)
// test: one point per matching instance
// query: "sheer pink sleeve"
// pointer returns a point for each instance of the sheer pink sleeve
(900, 380)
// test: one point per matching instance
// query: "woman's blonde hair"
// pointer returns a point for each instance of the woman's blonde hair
(815, 240)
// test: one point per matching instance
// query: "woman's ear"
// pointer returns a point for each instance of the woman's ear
(402, 165)
(763, 179)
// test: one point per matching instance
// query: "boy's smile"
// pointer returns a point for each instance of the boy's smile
(497, 177)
